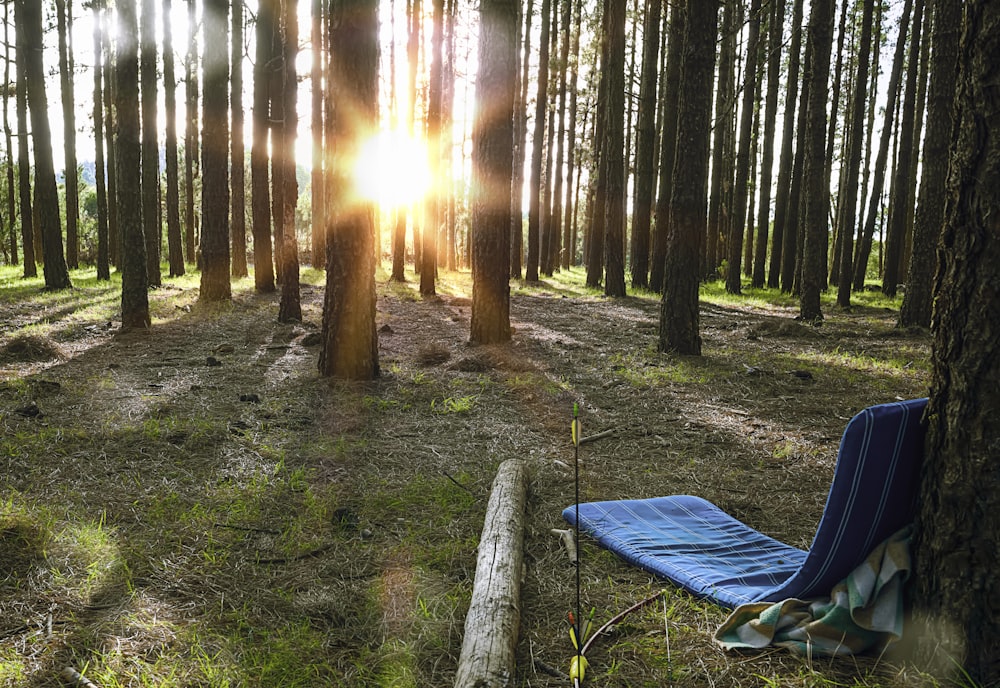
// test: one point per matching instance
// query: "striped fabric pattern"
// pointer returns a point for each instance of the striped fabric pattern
(693, 543)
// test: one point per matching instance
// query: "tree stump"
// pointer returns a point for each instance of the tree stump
(491, 626)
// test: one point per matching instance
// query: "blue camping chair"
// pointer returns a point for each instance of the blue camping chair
(693, 543)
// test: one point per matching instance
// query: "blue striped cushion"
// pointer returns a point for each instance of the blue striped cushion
(708, 552)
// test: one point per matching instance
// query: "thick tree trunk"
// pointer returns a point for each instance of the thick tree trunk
(290, 307)
(317, 232)
(614, 152)
(175, 242)
(260, 197)
(917, 301)
(215, 284)
(128, 151)
(28, 21)
(492, 161)
(956, 592)
(350, 343)
(487, 658)
(815, 191)
(689, 213)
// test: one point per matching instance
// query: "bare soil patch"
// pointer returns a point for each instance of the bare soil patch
(195, 505)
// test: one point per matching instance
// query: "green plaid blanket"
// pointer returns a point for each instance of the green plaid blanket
(863, 612)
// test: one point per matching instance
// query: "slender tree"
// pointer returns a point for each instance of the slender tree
(399, 214)
(957, 528)
(175, 242)
(901, 200)
(492, 163)
(128, 151)
(668, 143)
(786, 158)
(849, 193)
(191, 143)
(689, 213)
(520, 144)
(815, 193)
(103, 254)
(150, 143)
(215, 285)
(614, 151)
(237, 153)
(316, 83)
(432, 207)
(64, 24)
(645, 146)
(724, 146)
(556, 247)
(572, 150)
(537, 150)
(28, 21)
(917, 302)
(350, 342)
(290, 308)
(735, 254)
(110, 81)
(263, 260)
(23, 155)
(774, 42)
(9, 164)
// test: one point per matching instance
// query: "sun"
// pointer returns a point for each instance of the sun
(392, 169)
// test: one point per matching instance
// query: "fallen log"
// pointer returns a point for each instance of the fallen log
(491, 627)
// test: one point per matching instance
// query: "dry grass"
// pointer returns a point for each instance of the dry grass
(170, 522)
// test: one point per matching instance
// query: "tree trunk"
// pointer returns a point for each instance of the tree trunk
(537, 150)
(492, 162)
(290, 307)
(175, 242)
(599, 170)
(831, 135)
(917, 301)
(572, 166)
(735, 242)
(110, 81)
(520, 142)
(350, 343)
(28, 22)
(774, 41)
(559, 188)
(238, 222)
(849, 194)
(103, 255)
(432, 224)
(724, 147)
(487, 658)
(414, 15)
(150, 145)
(957, 530)
(191, 156)
(688, 214)
(902, 200)
(64, 22)
(215, 284)
(9, 164)
(645, 170)
(668, 142)
(548, 171)
(260, 197)
(23, 160)
(128, 151)
(316, 82)
(815, 192)
(614, 151)
(865, 243)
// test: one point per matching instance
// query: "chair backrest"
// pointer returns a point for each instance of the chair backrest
(873, 495)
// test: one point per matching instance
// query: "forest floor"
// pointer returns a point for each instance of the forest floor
(195, 506)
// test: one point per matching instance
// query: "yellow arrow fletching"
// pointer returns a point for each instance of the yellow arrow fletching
(577, 668)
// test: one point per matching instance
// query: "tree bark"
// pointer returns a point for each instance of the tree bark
(492, 162)
(238, 222)
(8, 139)
(572, 165)
(24, 160)
(614, 152)
(645, 170)
(537, 150)
(487, 658)
(724, 147)
(260, 197)
(956, 592)
(215, 284)
(28, 21)
(191, 154)
(128, 151)
(64, 22)
(350, 343)
(316, 82)
(432, 207)
(150, 143)
(917, 301)
(289, 308)
(736, 230)
(175, 242)
(689, 213)
(520, 142)
(103, 254)
(110, 81)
